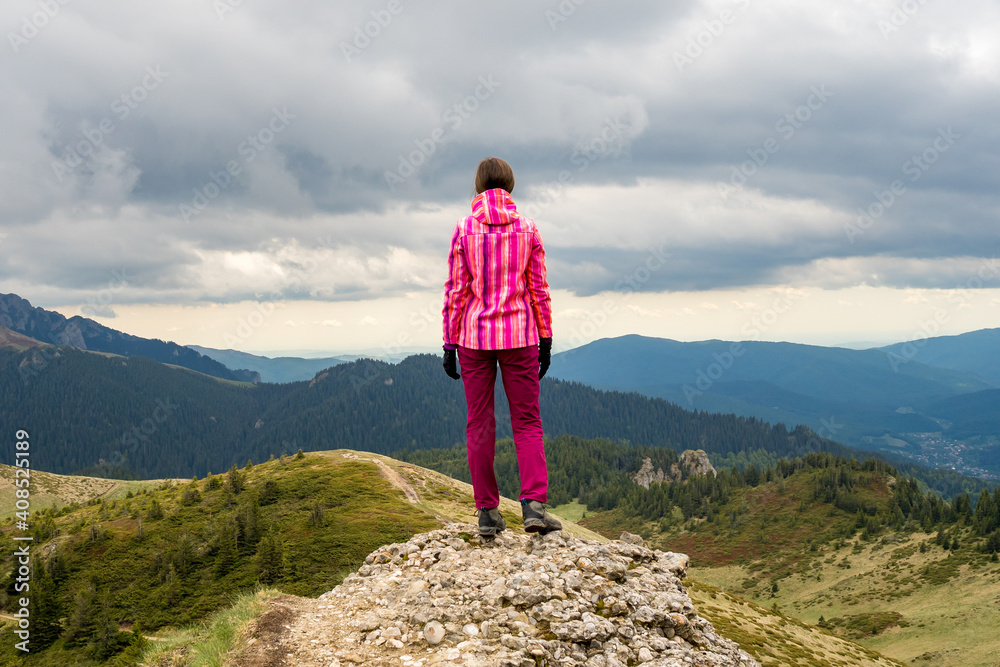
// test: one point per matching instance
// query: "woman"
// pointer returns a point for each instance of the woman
(496, 310)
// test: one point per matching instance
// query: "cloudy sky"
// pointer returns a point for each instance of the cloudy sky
(275, 176)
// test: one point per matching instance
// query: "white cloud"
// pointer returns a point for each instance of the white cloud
(641, 147)
(644, 312)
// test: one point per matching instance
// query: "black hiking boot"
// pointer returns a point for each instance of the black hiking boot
(536, 519)
(490, 522)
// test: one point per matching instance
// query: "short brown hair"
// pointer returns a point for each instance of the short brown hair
(494, 173)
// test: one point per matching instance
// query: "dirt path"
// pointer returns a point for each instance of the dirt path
(398, 481)
(270, 639)
(113, 487)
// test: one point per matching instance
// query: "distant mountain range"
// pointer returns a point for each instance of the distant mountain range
(976, 352)
(853, 396)
(932, 401)
(47, 326)
(106, 415)
(287, 369)
(102, 414)
(871, 399)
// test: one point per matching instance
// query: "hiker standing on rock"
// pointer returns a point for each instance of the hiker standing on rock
(497, 310)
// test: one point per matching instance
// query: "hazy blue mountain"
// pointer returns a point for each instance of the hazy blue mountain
(47, 326)
(274, 369)
(973, 352)
(968, 415)
(842, 393)
(292, 368)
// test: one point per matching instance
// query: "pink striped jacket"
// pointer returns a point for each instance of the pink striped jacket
(496, 296)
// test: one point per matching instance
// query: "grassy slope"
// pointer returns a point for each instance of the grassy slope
(446, 498)
(361, 511)
(947, 600)
(17, 341)
(771, 637)
(776, 639)
(773, 528)
(52, 490)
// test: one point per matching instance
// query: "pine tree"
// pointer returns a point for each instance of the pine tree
(44, 609)
(270, 558)
(225, 558)
(316, 516)
(107, 638)
(234, 480)
(155, 511)
(80, 625)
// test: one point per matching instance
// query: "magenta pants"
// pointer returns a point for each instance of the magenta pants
(519, 370)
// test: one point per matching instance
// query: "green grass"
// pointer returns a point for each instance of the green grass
(573, 511)
(361, 510)
(893, 598)
(208, 644)
(776, 639)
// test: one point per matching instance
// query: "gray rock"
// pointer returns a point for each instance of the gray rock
(557, 599)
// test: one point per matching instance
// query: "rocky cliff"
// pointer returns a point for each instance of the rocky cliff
(445, 598)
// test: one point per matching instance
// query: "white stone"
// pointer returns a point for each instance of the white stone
(433, 633)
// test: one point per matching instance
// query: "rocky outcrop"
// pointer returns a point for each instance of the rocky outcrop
(519, 601)
(696, 462)
(647, 475)
(691, 461)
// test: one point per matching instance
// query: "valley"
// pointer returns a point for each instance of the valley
(934, 450)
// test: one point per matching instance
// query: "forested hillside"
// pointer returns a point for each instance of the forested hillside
(599, 473)
(105, 415)
(115, 416)
(164, 422)
(972, 352)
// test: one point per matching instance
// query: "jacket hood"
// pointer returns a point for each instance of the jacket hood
(494, 207)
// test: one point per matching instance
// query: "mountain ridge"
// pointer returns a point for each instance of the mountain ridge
(973, 352)
(275, 369)
(17, 314)
(854, 396)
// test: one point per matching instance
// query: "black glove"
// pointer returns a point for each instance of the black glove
(451, 364)
(544, 356)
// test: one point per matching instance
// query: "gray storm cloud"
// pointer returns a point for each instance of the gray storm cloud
(323, 150)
